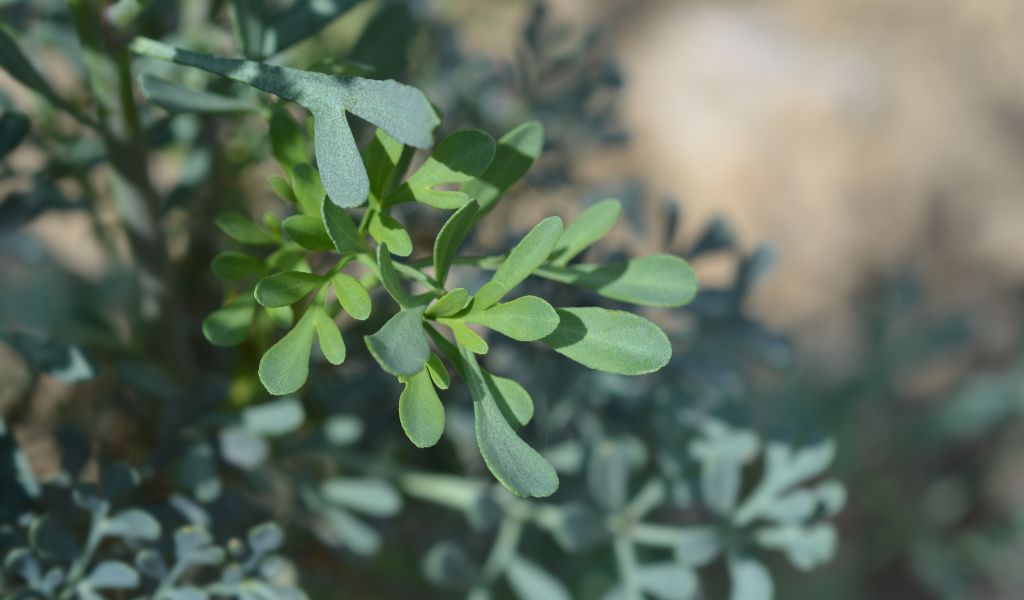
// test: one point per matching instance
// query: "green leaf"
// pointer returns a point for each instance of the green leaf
(287, 141)
(592, 225)
(513, 399)
(299, 21)
(352, 296)
(614, 341)
(515, 152)
(368, 496)
(531, 252)
(236, 265)
(386, 230)
(530, 581)
(286, 288)
(524, 319)
(381, 157)
(340, 228)
(309, 192)
(14, 127)
(466, 336)
(280, 186)
(243, 230)
(285, 366)
(308, 231)
(402, 111)
(657, 280)
(459, 158)
(421, 411)
(750, 579)
(178, 99)
(331, 342)
(229, 325)
(14, 61)
(512, 461)
(384, 42)
(281, 316)
(400, 346)
(389, 277)
(449, 304)
(438, 372)
(450, 238)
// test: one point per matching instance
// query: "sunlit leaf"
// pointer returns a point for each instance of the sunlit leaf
(515, 152)
(525, 319)
(610, 340)
(467, 337)
(420, 410)
(459, 158)
(522, 260)
(658, 280)
(589, 227)
(449, 304)
(352, 296)
(512, 398)
(387, 230)
(438, 372)
(450, 238)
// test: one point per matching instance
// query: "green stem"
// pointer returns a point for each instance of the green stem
(625, 557)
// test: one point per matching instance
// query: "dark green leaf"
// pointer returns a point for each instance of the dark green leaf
(13, 129)
(589, 227)
(400, 346)
(352, 296)
(309, 192)
(308, 231)
(450, 238)
(285, 366)
(14, 61)
(384, 42)
(512, 462)
(610, 340)
(229, 325)
(287, 141)
(528, 254)
(390, 278)
(286, 288)
(236, 265)
(178, 99)
(243, 230)
(658, 280)
(524, 319)
(341, 229)
(421, 411)
(515, 152)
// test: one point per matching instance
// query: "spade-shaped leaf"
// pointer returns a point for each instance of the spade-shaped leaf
(459, 158)
(525, 319)
(614, 341)
(589, 227)
(528, 254)
(658, 280)
(450, 238)
(512, 461)
(513, 156)
(402, 111)
(400, 346)
(285, 366)
(420, 410)
(286, 288)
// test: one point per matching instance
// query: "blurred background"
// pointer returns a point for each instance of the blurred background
(860, 159)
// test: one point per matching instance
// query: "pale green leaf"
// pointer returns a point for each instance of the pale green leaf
(287, 141)
(438, 372)
(449, 304)
(532, 582)
(352, 296)
(513, 156)
(331, 343)
(610, 340)
(280, 186)
(657, 280)
(309, 192)
(285, 366)
(592, 225)
(387, 230)
(421, 411)
(402, 111)
(243, 230)
(466, 336)
(308, 231)
(513, 399)
(380, 158)
(286, 288)
(459, 158)
(368, 496)
(512, 461)
(450, 238)
(400, 346)
(524, 319)
(531, 252)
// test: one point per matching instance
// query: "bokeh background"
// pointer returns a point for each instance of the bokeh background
(871, 152)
